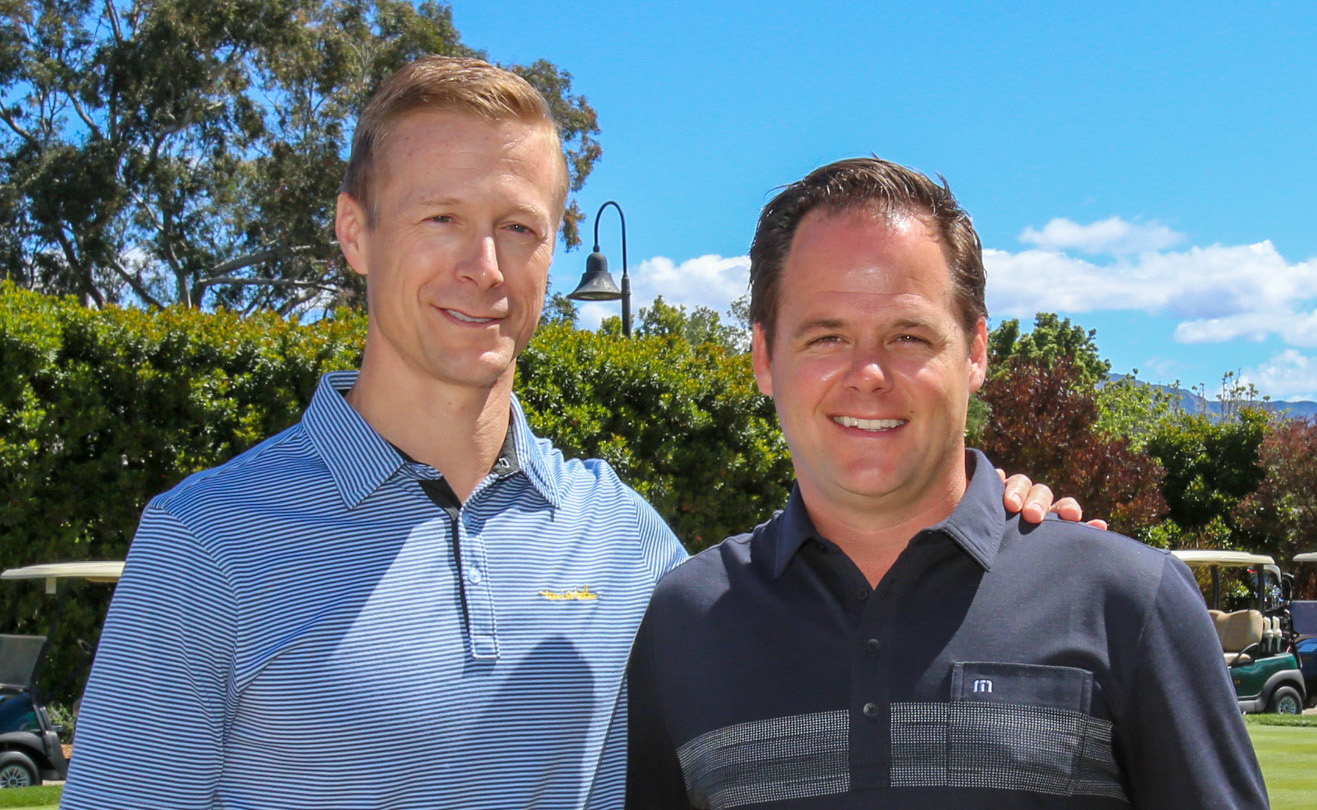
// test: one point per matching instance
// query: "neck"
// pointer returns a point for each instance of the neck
(874, 531)
(458, 430)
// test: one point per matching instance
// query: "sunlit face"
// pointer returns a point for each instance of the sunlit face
(457, 262)
(871, 369)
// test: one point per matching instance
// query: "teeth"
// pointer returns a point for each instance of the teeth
(868, 424)
(467, 318)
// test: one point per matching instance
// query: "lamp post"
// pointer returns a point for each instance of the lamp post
(597, 283)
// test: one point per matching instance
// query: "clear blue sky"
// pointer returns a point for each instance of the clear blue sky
(1147, 170)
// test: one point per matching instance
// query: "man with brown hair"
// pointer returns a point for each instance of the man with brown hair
(892, 638)
(406, 600)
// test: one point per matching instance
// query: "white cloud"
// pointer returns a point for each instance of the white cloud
(710, 281)
(1113, 236)
(1289, 375)
(1218, 293)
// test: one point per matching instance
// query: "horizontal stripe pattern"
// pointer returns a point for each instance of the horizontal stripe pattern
(1003, 746)
(294, 629)
(961, 744)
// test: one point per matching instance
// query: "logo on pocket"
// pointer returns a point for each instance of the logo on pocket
(983, 685)
(577, 594)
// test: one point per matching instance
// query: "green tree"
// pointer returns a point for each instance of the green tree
(189, 151)
(1133, 410)
(1053, 340)
(1211, 465)
(698, 326)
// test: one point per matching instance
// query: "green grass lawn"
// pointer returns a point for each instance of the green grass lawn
(1287, 749)
(43, 796)
(1286, 746)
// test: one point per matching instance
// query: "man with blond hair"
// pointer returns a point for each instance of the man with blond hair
(406, 600)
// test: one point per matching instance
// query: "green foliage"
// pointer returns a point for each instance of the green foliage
(62, 717)
(190, 151)
(1210, 467)
(558, 308)
(683, 424)
(1053, 340)
(100, 410)
(699, 326)
(1133, 410)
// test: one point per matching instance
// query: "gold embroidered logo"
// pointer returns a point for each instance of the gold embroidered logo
(573, 595)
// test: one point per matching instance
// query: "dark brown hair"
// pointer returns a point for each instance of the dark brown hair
(866, 184)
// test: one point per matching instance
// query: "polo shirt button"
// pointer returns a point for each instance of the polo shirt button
(473, 575)
(862, 593)
(870, 710)
(874, 645)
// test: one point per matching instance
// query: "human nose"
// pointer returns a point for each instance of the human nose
(868, 371)
(480, 262)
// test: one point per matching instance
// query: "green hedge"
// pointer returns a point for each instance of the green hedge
(100, 410)
(685, 425)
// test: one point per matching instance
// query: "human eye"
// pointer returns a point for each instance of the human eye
(524, 229)
(823, 340)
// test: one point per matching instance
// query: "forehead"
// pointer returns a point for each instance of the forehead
(424, 142)
(865, 254)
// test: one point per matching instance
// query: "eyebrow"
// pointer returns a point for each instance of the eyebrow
(817, 324)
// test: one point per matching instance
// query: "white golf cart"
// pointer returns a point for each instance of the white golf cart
(1257, 636)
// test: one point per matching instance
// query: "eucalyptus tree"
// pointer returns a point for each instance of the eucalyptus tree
(189, 151)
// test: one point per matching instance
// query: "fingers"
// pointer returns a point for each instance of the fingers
(1037, 503)
(1068, 509)
(1017, 487)
(1098, 523)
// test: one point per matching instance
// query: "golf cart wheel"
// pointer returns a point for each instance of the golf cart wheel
(17, 770)
(1285, 700)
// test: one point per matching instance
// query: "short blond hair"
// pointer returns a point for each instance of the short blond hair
(447, 84)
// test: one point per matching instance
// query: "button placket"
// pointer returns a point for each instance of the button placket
(480, 615)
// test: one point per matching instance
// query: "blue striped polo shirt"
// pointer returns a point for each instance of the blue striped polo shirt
(304, 627)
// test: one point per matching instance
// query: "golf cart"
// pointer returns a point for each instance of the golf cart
(30, 749)
(1305, 625)
(1257, 634)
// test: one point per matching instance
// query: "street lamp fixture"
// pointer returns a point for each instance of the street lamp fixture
(597, 283)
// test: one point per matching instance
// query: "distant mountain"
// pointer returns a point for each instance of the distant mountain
(1190, 402)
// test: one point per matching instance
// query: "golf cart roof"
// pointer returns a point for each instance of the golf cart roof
(1310, 556)
(97, 571)
(1202, 556)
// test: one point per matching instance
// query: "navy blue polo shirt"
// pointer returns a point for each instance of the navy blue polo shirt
(998, 664)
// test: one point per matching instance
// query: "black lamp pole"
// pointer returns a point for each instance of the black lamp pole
(597, 283)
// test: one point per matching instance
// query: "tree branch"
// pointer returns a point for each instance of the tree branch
(84, 278)
(136, 283)
(8, 119)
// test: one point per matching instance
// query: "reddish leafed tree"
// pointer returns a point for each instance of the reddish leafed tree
(1042, 423)
(1282, 511)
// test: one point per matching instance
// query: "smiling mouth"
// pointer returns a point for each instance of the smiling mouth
(464, 318)
(873, 425)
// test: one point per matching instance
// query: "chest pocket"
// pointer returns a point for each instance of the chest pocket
(1018, 727)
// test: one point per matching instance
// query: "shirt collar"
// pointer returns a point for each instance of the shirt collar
(530, 456)
(976, 524)
(359, 459)
(979, 520)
